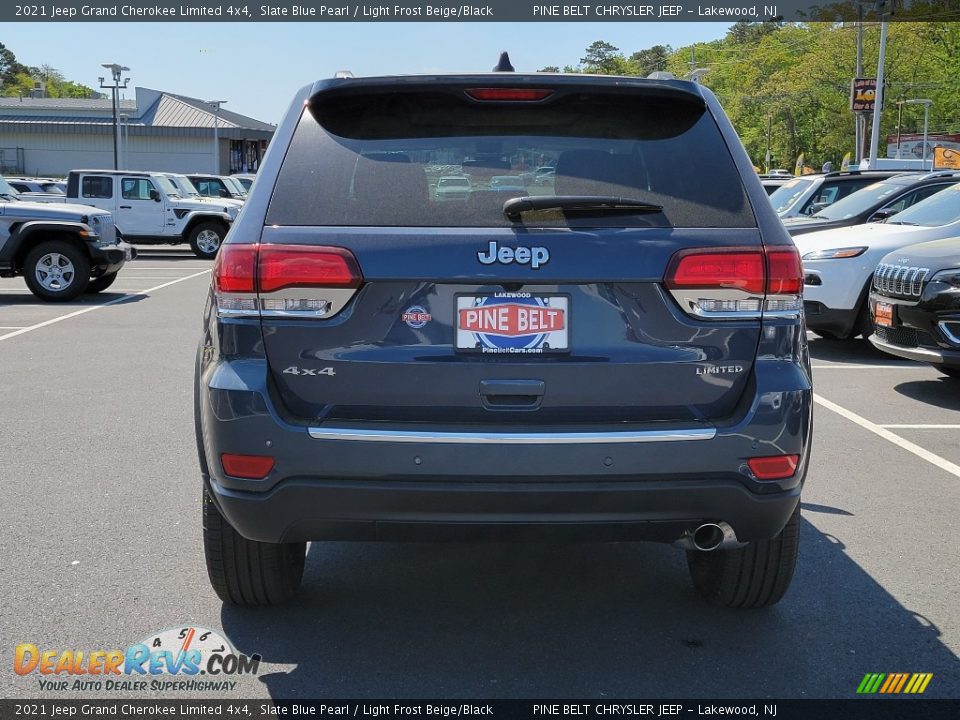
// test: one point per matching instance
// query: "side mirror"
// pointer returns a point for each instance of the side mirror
(155, 196)
(882, 214)
(816, 207)
(224, 193)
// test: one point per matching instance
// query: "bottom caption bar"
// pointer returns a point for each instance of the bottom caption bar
(866, 708)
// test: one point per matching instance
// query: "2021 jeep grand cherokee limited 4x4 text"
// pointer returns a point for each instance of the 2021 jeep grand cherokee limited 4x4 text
(617, 353)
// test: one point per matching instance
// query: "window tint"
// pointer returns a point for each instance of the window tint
(784, 197)
(209, 187)
(377, 160)
(97, 186)
(20, 187)
(940, 208)
(136, 188)
(860, 201)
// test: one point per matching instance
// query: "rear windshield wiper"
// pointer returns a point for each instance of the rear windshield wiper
(578, 204)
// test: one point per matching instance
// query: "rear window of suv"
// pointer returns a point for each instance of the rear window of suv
(376, 159)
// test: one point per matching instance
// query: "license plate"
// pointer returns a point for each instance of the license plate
(883, 314)
(513, 323)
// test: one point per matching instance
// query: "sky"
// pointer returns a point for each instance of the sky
(257, 67)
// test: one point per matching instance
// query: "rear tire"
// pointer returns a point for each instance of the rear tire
(206, 238)
(56, 271)
(247, 572)
(949, 371)
(754, 576)
(101, 283)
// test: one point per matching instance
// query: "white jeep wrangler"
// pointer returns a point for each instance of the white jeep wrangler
(148, 209)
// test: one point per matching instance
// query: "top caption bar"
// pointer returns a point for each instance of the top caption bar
(726, 11)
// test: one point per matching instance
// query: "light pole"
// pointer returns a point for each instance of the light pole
(926, 121)
(123, 141)
(216, 133)
(115, 72)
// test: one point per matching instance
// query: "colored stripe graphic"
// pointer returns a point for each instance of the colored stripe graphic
(894, 683)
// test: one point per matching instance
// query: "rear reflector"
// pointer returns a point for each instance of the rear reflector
(776, 467)
(251, 467)
(508, 94)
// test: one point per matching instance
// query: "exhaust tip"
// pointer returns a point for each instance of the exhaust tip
(707, 537)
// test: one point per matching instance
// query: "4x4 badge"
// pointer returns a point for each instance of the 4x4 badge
(532, 256)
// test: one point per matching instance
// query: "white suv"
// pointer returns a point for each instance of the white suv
(148, 209)
(838, 264)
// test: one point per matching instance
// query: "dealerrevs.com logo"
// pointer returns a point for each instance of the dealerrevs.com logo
(170, 660)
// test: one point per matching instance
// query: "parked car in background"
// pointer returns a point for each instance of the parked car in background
(915, 304)
(245, 179)
(217, 186)
(544, 175)
(186, 189)
(450, 187)
(35, 185)
(507, 183)
(808, 194)
(876, 202)
(772, 184)
(61, 251)
(41, 190)
(147, 208)
(838, 265)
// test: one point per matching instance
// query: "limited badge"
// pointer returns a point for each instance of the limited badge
(416, 317)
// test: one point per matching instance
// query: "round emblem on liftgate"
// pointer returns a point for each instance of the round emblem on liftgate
(416, 317)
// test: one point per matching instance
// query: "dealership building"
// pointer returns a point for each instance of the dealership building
(158, 131)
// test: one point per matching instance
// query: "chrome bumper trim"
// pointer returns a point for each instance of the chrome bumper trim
(511, 438)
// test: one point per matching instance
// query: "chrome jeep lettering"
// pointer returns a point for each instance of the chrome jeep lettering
(532, 256)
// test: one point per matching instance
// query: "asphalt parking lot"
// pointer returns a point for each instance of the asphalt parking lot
(101, 541)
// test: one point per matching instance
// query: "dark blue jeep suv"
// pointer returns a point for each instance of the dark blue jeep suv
(614, 352)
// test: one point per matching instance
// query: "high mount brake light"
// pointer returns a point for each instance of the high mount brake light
(498, 94)
(284, 280)
(736, 282)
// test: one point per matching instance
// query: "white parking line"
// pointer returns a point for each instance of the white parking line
(922, 427)
(30, 328)
(886, 366)
(920, 452)
(11, 327)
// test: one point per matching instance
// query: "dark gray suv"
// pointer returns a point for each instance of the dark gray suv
(617, 353)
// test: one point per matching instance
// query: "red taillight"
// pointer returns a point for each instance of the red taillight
(284, 266)
(704, 268)
(737, 283)
(251, 467)
(776, 467)
(508, 94)
(784, 272)
(235, 268)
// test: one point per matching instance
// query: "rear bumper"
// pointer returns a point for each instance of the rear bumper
(592, 483)
(313, 509)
